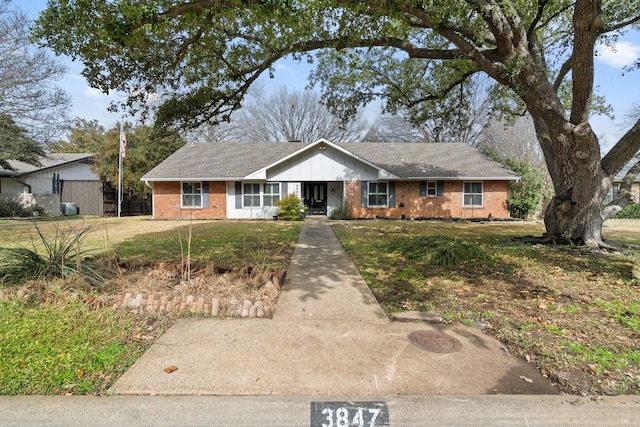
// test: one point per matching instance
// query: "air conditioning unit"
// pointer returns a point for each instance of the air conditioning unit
(69, 209)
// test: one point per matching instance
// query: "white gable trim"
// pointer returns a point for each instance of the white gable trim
(262, 173)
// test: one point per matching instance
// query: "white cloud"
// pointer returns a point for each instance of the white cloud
(619, 55)
(285, 67)
(94, 93)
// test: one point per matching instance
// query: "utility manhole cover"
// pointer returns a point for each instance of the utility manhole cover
(435, 342)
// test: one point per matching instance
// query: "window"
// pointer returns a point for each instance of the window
(191, 194)
(271, 193)
(378, 195)
(251, 195)
(613, 193)
(472, 194)
(432, 189)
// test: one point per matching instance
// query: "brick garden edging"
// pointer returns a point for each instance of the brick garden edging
(262, 308)
(163, 303)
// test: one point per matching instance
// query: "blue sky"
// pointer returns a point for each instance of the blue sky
(621, 89)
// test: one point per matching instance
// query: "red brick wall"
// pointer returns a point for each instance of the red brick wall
(166, 202)
(447, 206)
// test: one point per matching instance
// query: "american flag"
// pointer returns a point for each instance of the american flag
(123, 143)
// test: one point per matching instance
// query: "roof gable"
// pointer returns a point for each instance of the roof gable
(321, 145)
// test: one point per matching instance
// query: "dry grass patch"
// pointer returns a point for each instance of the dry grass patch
(574, 312)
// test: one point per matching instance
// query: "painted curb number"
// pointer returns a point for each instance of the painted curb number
(349, 414)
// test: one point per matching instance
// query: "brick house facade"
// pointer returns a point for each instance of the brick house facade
(375, 180)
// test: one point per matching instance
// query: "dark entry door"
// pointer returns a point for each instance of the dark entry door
(315, 197)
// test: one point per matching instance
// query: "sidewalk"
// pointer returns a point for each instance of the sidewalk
(330, 337)
(294, 411)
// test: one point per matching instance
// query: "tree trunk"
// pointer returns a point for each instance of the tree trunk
(572, 153)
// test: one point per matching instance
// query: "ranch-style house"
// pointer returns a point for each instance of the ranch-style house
(374, 180)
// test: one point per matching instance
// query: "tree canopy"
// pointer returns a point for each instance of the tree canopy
(16, 144)
(28, 76)
(202, 56)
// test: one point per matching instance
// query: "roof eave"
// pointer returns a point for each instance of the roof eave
(57, 165)
(191, 179)
(466, 178)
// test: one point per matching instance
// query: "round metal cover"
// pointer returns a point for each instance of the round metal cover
(435, 342)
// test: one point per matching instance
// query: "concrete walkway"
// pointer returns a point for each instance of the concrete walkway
(330, 337)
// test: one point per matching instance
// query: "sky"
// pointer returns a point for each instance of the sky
(620, 89)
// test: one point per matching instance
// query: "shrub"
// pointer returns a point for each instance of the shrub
(62, 256)
(13, 209)
(631, 211)
(290, 208)
(341, 212)
(456, 252)
(525, 196)
(442, 251)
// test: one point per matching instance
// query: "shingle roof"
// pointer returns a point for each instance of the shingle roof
(430, 160)
(220, 160)
(52, 160)
(230, 160)
(620, 176)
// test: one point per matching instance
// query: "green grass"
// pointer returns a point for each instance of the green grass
(60, 346)
(625, 312)
(228, 243)
(64, 348)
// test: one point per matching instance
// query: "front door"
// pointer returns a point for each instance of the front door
(315, 197)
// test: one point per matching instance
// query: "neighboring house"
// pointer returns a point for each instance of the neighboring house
(617, 181)
(62, 178)
(375, 180)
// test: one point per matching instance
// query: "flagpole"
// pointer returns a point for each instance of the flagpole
(122, 144)
(120, 172)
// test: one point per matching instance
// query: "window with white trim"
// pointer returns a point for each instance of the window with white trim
(251, 194)
(271, 193)
(191, 194)
(378, 194)
(432, 188)
(472, 194)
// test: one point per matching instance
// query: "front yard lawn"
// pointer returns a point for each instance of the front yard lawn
(573, 312)
(53, 342)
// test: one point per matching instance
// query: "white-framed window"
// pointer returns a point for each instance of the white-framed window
(271, 193)
(432, 188)
(378, 194)
(472, 194)
(251, 194)
(191, 194)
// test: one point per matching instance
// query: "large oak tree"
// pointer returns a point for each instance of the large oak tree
(201, 57)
